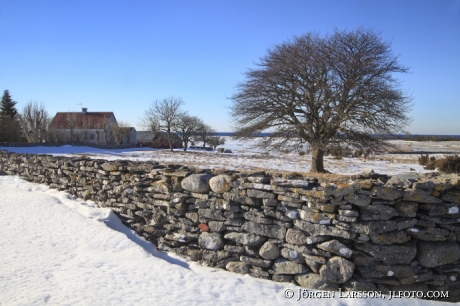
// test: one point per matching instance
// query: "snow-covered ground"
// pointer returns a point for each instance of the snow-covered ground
(59, 250)
(246, 158)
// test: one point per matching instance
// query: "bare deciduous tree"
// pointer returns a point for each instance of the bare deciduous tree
(216, 141)
(55, 136)
(185, 127)
(34, 122)
(161, 115)
(121, 130)
(85, 129)
(321, 90)
(204, 134)
(108, 127)
(71, 124)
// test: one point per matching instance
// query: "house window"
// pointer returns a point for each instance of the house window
(91, 136)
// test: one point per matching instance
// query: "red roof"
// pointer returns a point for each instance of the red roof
(89, 120)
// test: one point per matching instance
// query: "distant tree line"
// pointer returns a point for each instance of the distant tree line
(429, 138)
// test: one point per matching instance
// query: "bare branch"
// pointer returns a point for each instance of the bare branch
(161, 116)
(320, 90)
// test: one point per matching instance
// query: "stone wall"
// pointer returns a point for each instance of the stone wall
(373, 233)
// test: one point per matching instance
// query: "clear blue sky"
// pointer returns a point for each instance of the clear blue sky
(120, 55)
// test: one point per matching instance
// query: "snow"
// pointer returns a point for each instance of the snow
(56, 249)
(245, 158)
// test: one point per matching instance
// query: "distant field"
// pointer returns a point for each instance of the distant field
(246, 158)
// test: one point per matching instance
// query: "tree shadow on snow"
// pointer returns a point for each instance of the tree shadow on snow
(113, 222)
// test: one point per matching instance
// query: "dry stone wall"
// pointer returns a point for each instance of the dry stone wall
(374, 232)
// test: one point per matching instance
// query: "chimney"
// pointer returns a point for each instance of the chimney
(84, 110)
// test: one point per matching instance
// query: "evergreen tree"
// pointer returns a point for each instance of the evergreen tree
(10, 129)
(7, 106)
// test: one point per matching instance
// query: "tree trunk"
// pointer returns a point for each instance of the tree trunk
(317, 161)
(170, 141)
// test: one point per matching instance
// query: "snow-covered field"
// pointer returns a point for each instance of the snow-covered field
(59, 250)
(248, 159)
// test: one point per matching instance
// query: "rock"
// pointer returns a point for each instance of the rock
(421, 277)
(259, 273)
(215, 256)
(451, 198)
(382, 271)
(217, 226)
(259, 194)
(323, 230)
(211, 241)
(427, 185)
(390, 254)
(387, 193)
(237, 267)
(403, 223)
(282, 278)
(245, 238)
(377, 212)
(256, 262)
(438, 220)
(355, 285)
(203, 227)
(292, 255)
(259, 178)
(316, 217)
(335, 247)
(390, 238)
(211, 214)
(442, 209)
(256, 217)
(272, 231)
(269, 251)
(337, 270)
(367, 172)
(198, 183)
(402, 180)
(434, 254)
(316, 239)
(406, 209)
(420, 196)
(339, 190)
(285, 266)
(429, 234)
(315, 281)
(295, 236)
(220, 183)
(349, 213)
(374, 227)
(234, 248)
(160, 186)
(358, 200)
(314, 262)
